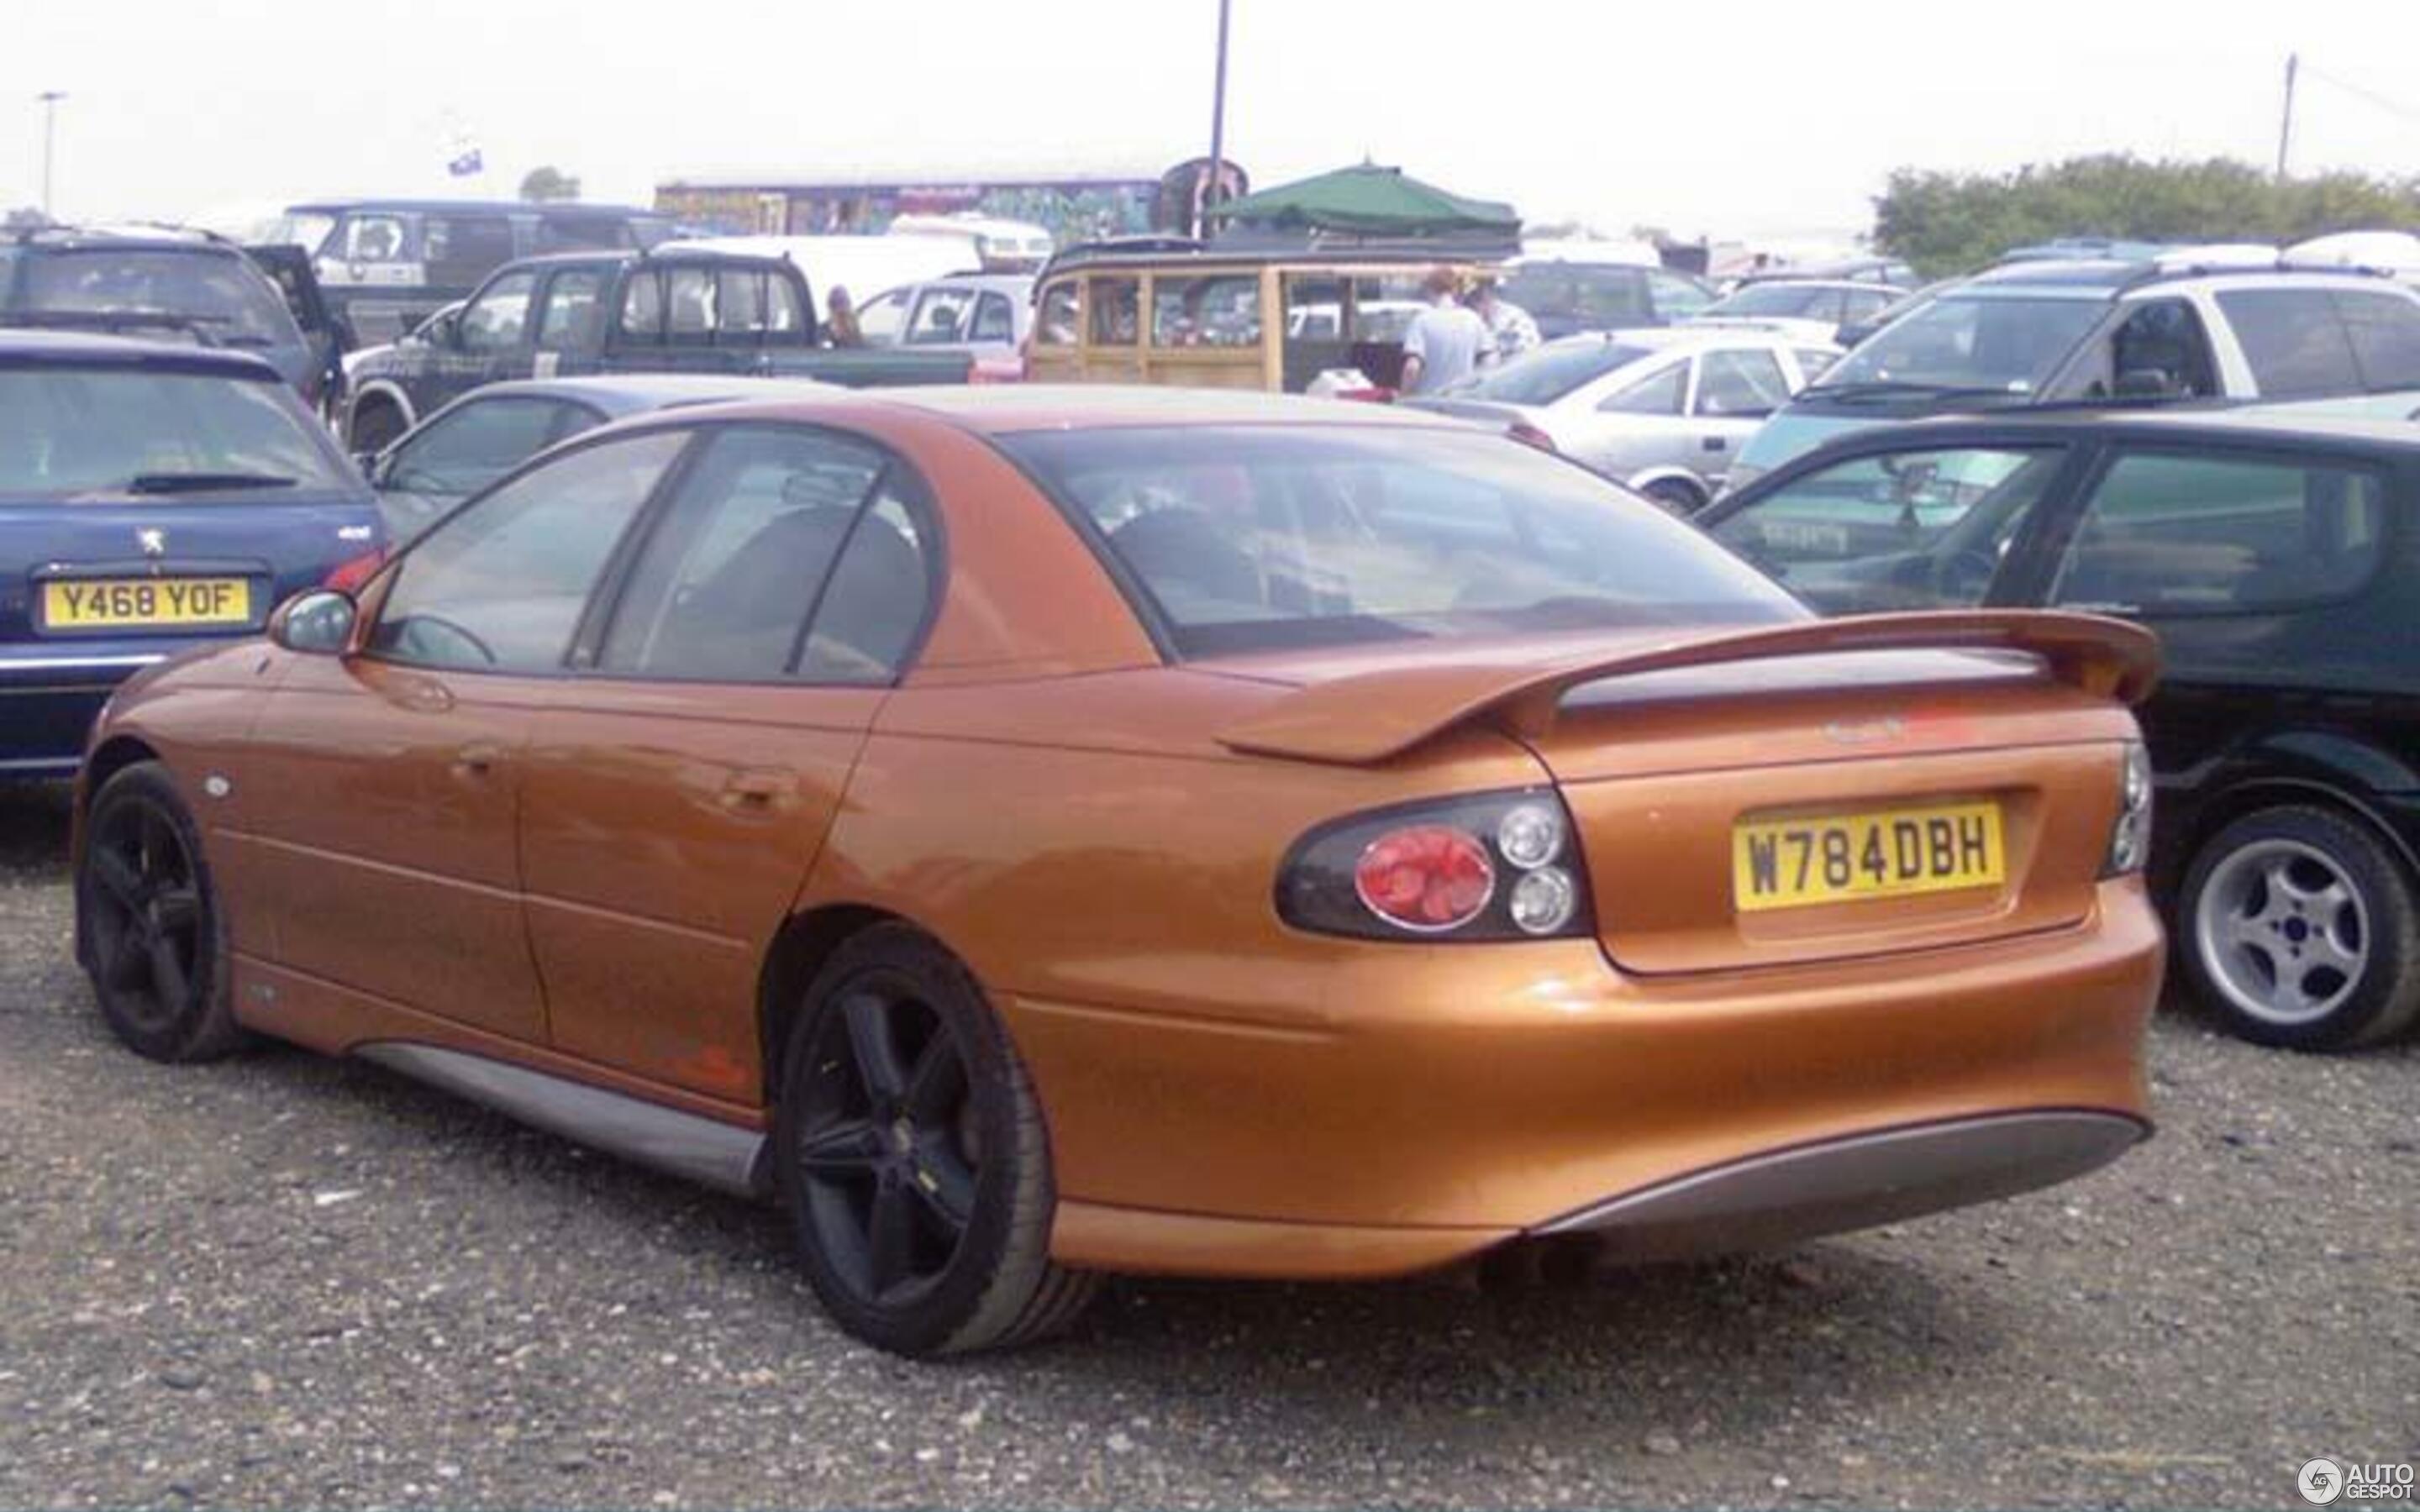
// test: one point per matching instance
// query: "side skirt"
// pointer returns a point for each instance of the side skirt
(680, 1144)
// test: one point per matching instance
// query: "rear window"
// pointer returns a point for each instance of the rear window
(1550, 373)
(1245, 538)
(229, 301)
(77, 432)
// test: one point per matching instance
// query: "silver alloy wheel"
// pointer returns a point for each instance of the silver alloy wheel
(2282, 931)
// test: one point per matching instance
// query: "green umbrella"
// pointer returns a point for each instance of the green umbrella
(1370, 201)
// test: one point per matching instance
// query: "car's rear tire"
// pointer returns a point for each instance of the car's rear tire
(153, 933)
(375, 425)
(1676, 495)
(2298, 928)
(909, 1148)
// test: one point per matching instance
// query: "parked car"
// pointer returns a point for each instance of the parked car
(489, 431)
(2272, 556)
(385, 265)
(1660, 410)
(1566, 298)
(1890, 270)
(681, 310)
(986, 316)
(162, 283)
(153, 496)
(1812, 310)
(1042, 833)
(1855, 332)
(2156, 331)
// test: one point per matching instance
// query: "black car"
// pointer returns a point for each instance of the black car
(175, 283)
(2279, 559)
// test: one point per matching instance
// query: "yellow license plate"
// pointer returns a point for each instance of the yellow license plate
(1895, 853)
(110, 603)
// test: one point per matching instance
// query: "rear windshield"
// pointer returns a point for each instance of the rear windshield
(1247, 538)
(2009, 346)
(105, 433)
(1550, 373)
(231, 302)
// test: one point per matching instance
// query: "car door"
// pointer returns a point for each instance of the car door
(489, 342)
(678, 787)
(570, 325)
(386, 783)
(2249, 563)
(1928, 525)
(1632, 420)
(1738, 389)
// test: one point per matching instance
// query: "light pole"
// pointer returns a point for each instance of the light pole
(50, 101)
(1218, 117)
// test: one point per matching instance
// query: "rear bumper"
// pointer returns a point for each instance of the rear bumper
(48, 704)
(1424, 1105)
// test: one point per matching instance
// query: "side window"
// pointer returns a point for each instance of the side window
(500, 586)
(375, 238)
(994, 320)
(572, 314)
(785, 309)
(2291, 337)
(475, 443)
(723, 587)
(754, 302)
(941, 317)
(1899, 531)
(1676, 298)
(877, 599)
(1223, 311)
(878, 319)
(499, 318)
(1740, 383)
(1054, 318)
(642, 305)
(1613, 296)
(1812, 361)
(2161, 349)
(2385, 331)
(581, 233)
(2168, 532)
(464, 249)
(1657, 393)
(1114, 311)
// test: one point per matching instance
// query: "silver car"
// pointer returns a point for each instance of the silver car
(1661, 411)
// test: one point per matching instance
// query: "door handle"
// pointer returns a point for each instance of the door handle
(475, 763)
(755, 791)
(1716, 443)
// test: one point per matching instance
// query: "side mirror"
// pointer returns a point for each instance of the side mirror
(316, 622)
(2146, 383)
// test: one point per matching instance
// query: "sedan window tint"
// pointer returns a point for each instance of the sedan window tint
(1899, 531)
(2178, 534)
(500, 585)
(1657, 393)
(724, 586)
(2291, 337)
(2385, 331)
(867, 618)
(1740, 383)
(475, 443)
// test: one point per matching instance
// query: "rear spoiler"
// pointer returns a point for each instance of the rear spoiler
(1361, 719)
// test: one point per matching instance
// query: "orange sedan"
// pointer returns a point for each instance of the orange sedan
(1040, 833)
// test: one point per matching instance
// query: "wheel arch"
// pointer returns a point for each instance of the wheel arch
(1641, 480)
(113, 756)
(2251, 795)
(382, 391)
(807, 939)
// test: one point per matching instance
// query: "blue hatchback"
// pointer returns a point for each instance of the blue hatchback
(152, 498)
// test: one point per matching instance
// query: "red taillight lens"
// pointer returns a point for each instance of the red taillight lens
(1425, 877)
(1369, 396)
(1521, 430)
(348, 576)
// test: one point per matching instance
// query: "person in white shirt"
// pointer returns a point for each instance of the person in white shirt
(1510, 329)
(1442, 345)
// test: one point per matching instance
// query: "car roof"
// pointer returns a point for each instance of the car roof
(1018, 283)
(633, 393)
(23, 348)
(1853, 286)
(999, 409)
(61, 238)
(2279, 423)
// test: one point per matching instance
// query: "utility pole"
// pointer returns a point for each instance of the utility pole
(2286, 121)
(1218, 119)
(50, 101)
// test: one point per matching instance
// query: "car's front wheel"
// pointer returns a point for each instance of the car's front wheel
(911, 1153)
(154, 937)
(2298, 928)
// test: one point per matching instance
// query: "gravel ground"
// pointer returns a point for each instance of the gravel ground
(283, 1280)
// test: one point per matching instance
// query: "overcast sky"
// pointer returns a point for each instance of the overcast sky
(1743, 118)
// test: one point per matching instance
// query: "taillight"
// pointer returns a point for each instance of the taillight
(1373, 395)
(1011, 370)
(2130, 838)
(1529, 435)
(348, 576)
(1497, 866)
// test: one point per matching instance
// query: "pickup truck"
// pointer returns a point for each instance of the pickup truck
(673, 310)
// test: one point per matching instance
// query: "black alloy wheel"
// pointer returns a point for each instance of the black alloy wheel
(911, 1153)
(150, 924)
